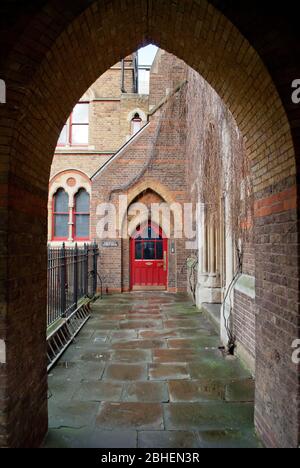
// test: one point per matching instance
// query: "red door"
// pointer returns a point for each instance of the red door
(149, 259)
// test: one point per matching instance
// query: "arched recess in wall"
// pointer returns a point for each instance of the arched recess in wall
(85, 44)
(137, 191)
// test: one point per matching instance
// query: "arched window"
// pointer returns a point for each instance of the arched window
(82, 216)
(136, 124)
(61, 215)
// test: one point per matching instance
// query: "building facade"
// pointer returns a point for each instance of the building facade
(128, 174)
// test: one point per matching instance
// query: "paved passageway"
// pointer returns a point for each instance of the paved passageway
(146, 372)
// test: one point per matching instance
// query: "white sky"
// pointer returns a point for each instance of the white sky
(147, 55)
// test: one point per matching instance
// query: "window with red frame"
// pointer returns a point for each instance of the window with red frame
(136, 124)
(76, 130)
(61, 215)
(82, 216)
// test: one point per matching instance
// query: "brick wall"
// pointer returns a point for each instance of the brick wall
(87, 163)
(110, 115)
(165, 76)
(244, 324)
(164, 175)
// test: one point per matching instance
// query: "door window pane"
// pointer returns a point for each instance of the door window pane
(149, 251)
(61, 226)
(159, 250)
(138, 251)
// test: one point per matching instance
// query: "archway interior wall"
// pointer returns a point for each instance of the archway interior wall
(42, 88)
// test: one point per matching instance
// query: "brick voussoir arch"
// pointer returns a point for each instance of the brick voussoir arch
(42, 91)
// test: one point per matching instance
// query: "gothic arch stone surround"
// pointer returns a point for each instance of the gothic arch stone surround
(50, 47)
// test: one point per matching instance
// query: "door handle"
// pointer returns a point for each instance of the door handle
(165, 261)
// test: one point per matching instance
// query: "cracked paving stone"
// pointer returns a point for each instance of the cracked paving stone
(146, 392)
(139, 416)
(75, 414)
(78, 372)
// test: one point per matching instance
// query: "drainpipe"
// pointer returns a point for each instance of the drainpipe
(123, 90)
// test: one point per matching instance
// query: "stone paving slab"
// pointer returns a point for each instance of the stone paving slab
(208, 416)
(75, 414)
(96, 356)
(168, 372)
(131, 356)
(229, 439)
(139, 344)
(61, 388)
(77, 372)
(146, 392)
(126, 372)
(124, 335)
(196, 391)
(90, 438)
(168, 439)
(240, 390)
(140, 324)
(157, 382)
(212, 368)
(139, 416)
(188, 323)
(200, 342)
(160, 334)
(112, 318)
(97, 334)
(154, 317)
(185, 356)
(98, 392)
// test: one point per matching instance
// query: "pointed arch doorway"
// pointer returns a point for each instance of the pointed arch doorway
(148, 259)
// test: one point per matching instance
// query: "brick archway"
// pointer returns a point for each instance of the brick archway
(39, 70)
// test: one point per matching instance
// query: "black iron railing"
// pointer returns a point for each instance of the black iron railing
(72, 276)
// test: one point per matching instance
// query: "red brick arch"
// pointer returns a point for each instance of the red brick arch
(46, 74)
